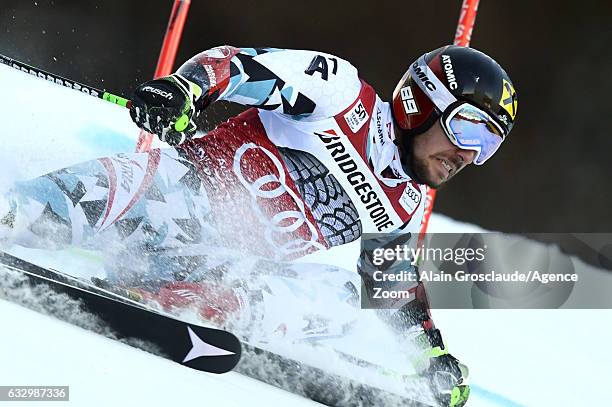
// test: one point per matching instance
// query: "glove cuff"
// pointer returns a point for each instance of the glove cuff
(190, 89)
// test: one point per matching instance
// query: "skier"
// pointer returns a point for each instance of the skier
(316, 161)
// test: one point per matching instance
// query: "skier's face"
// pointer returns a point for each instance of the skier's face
(435, 159)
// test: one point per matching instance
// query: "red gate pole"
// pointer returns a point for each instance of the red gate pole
(463, 35)
(167, 55)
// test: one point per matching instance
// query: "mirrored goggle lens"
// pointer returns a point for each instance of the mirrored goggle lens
(470, 128)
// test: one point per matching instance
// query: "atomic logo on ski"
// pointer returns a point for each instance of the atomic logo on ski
(201, 348)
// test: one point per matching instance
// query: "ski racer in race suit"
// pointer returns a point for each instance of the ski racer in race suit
(317, 160)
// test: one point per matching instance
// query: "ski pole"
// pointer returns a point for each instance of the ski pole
(88, 90)
(180, 125)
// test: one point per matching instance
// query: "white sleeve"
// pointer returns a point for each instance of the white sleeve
(305, 85)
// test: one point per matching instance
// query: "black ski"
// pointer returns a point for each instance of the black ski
(201, 348)
(131, 319)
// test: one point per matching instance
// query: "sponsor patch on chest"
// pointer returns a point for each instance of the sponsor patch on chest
(411, 198)
(356, 117)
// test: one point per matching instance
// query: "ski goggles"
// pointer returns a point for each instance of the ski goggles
(471, 128)
(466, 126)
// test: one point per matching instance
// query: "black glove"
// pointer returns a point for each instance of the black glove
(166, 107)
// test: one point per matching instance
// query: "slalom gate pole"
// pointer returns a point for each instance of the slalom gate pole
(463, 35)
(172, 38)
(88, 90)
(167, 56)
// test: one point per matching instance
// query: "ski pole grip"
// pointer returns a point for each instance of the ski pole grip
(118, 100)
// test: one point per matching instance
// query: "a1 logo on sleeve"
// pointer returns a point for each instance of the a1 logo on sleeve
(411, 198)
(356, 117)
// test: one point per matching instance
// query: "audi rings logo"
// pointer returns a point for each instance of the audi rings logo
(284, 222)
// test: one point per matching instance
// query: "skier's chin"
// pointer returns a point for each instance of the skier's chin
(427, 174)
(434, 182)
